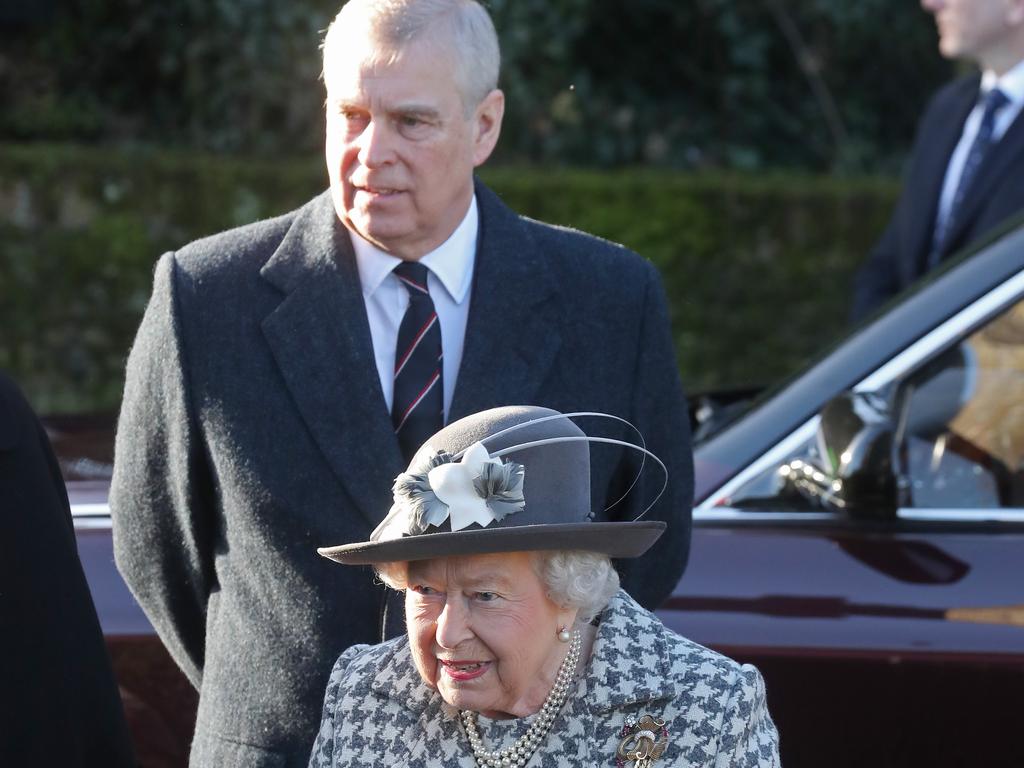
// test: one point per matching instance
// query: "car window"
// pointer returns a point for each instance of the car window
(954, 427)
(961, 437)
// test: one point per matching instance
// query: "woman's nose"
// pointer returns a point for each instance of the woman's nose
(453, 624)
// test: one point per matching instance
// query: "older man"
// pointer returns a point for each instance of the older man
(966, 170)
(284, 373)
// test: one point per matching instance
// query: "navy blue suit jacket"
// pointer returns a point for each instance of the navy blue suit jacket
(253, 430)
(901, 255)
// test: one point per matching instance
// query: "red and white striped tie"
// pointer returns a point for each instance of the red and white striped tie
(417, 409)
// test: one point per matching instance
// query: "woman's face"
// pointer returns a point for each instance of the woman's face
(484, 633)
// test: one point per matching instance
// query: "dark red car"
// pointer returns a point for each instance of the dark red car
(858, 534)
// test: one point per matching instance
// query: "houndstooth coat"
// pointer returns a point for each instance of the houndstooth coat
(378, 711)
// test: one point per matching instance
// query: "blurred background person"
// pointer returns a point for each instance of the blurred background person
(966, 169)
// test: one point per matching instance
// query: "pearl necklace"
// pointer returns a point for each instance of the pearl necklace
(519, 754)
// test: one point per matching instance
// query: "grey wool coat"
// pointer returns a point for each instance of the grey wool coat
(253, 430)
(378, 711)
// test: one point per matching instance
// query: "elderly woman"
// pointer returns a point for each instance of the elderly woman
(521, 650)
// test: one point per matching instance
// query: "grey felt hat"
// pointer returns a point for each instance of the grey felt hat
(508, 479)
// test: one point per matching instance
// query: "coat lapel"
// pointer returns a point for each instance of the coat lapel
(996, 164)
(513, 333)
(320, 338)
(630, 668)
(431, 721)
(631, 662)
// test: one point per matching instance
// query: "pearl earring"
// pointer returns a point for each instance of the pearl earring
(564, 636)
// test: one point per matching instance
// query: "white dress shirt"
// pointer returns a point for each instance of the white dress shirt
(1012, 86)
(450, 276)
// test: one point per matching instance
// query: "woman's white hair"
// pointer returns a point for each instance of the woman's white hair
(462, 27)
(572, 578)
(578, 579)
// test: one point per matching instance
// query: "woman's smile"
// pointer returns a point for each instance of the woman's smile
(461, 671)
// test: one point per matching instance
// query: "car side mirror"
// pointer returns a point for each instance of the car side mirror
(856, 434)
(854, 471)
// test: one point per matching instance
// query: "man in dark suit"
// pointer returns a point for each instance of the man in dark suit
(59, 704)
(284, 372)
(966, 170)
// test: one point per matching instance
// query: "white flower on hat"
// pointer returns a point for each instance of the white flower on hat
(454, 484)
(477, 489)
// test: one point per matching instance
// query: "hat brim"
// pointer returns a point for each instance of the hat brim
(619, 540)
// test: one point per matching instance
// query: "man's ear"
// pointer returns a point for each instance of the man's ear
(487, 125)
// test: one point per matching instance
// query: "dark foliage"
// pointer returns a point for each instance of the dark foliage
(744, 84)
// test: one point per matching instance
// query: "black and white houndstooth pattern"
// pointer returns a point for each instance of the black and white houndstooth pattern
(378, 711)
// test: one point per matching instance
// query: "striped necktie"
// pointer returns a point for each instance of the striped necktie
(994, 101)
(417, 410)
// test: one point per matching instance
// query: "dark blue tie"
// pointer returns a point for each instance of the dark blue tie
(417, 409)
(994, 101)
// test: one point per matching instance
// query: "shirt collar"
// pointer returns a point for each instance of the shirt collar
(451, 262)
(1011, 83)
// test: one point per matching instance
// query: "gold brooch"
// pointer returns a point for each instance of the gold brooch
(642, 742)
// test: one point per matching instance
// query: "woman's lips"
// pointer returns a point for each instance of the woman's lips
(464, 670)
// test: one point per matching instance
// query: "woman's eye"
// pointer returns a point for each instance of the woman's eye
(422, 589)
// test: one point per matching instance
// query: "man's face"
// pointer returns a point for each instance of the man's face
(973, 29)
(401, 149)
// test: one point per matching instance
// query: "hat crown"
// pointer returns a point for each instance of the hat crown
(554, 477)
(522, 484)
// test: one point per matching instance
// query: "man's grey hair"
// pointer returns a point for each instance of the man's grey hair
(572, 578)
(462, 27)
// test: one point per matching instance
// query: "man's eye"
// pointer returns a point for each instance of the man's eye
(486, 597)
(351, 115)
(422, 589)
(412, 126)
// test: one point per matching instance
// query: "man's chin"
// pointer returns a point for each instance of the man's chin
(387, 238)
(951, 48)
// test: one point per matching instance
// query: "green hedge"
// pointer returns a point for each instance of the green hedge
(756, 268)
(812, 84)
